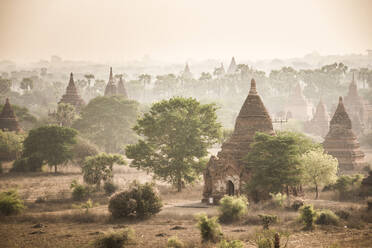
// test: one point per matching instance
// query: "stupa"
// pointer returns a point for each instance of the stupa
(297, 104)
(110, 89)
(354, 105)
(232, 67)
(319, 125)
(121, 88)
(341, 142)
(225, 173)
(186, 74)
(8, 120)
(72, 96)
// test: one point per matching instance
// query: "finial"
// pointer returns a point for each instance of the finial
(253, 89)
(340, 99)
(111, 73)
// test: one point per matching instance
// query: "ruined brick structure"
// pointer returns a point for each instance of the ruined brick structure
(8, 120)
(319, 124)
(297, 104)
(225, 173)
(342, 143)
(121, 88)
(72, 96)
(113, 90)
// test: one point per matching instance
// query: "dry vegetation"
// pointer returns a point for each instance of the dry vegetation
(52, 219)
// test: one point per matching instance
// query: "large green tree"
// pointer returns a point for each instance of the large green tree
(108, 122)
(274, 162)
(177, 134)
(52, 144)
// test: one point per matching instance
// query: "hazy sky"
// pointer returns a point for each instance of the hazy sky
(119, 30)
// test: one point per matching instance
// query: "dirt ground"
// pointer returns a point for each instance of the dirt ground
(62, 225)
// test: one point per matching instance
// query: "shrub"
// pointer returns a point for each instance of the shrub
(343, 214)
(10, 203)
(140, 201)
(82, 149)
(10, 145)
(1, 168)
(232, 208)
(307, 216)
(27, 164)
(79, 192)
(297, 204)
(278, 199)
(115, 239)
(230, 244)
(270, 239)
(326, 217)
(267, 220)
(347, 186)
(210, 229)
(110, 187)
(174, 242)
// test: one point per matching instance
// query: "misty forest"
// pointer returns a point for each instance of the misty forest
(200, 145)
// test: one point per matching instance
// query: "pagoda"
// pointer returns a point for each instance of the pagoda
(341, 142)
(111, 87)
(354, 105)
(319, 125)
(186, 74)
(225, 173)
(232, 68)
(8, 120)
(72, 96)
(297, 104)
(121, 88)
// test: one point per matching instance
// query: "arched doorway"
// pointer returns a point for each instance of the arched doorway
(230, 188)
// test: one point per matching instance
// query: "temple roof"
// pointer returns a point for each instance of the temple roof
(121, 88)
(341, 117)
(110, 89)
(232, 67)
(321, 113)
(72, 96)
(8, 120)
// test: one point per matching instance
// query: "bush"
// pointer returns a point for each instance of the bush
(297, 204)
(79, 192)
(307, 216)
(267, 220)
(343, 214)
(1, 168)
(174, 242)
(10, 145)
(115, 239)
(327, 217)
(278, 199)
(210, 230)
(230, 244)
(140, 201)
(27, 164)
(10, 203)
(347, 186)
(82, 149)
(110, 187)
(270, 239)
(232, 208)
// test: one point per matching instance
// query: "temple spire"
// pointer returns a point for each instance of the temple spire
(253, 89)
(111, 77)
(8, 120)
(72, 96)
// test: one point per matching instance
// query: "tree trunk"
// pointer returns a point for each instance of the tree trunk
(179, 185)
(316, 191)
(55, 168)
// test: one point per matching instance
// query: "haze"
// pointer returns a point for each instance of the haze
(121, 30)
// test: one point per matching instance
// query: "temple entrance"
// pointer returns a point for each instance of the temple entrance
(230, 188)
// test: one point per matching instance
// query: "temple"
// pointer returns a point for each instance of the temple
(319, 124)
(72, 96)
(110, 89)
(341, 142)
(186, 74)
(297, 104)
(8, 120)
(232, 68)
(225, 173)
(121, 88)
(354, 105)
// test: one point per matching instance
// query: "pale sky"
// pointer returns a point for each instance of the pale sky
(121, 30)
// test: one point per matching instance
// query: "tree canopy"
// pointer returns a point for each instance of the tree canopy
(177, 134)
(108, 122)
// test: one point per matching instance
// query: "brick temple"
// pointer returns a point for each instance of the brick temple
(8, 119)
(72, 96)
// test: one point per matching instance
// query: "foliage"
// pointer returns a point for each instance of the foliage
(108, 121)
(230, 244)
(232, 208)
(297, 204)
(99, 168)
(278, 199)
(1, 168)
(65, 115)
(33, 163)
(110, 187)
(79, 191)
(140, 201)
(267, 220)
(115, 239)
(270, 238)
(343, 214)
(10, 203)
(226, 134)
(348, 185)
(10, 145)
(178, 133)
(175, 242)
(307, 216)
(26, 120)
(274, 163)
(210, 230)
(82, 149)
(319, 168)
(326, 217)
(51, 143)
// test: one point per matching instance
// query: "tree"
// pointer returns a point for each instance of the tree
(51, 143)
(27, 84)
(319, 168)
(107, 122)
(10, 145)
(5, 85)
(177, 134)
(99, 168)
(274, 163)
(65, 115)
(82, 149)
